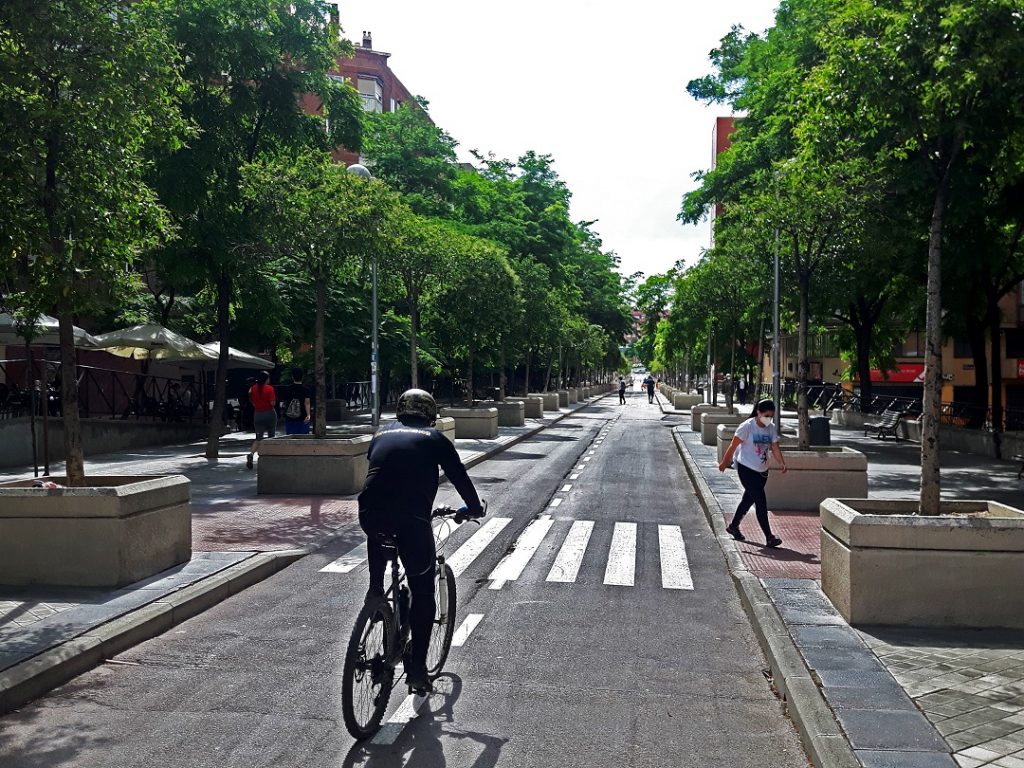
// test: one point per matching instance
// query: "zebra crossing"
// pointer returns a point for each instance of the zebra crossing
(619, 563)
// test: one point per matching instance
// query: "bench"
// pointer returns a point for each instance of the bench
(1020, 472)
(887, 426)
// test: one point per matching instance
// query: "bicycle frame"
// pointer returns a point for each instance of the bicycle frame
(400, 626)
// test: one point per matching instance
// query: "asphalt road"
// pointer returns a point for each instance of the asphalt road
(609, 636)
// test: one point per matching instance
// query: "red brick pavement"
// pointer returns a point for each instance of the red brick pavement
(799, 557)
(267, 523)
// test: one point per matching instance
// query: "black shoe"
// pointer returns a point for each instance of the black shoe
(773, 542)
(418, 680)
(734, 531)
(248, 461)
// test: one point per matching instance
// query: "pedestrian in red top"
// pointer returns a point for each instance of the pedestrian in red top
(264, 419)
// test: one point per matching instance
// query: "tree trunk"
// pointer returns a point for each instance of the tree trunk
(931, 401)
(414, 321)
(526, 382)
(502, 379)
(995, 318)
(469, 378)
(220, 396)
(547, 376)
(320, 361)
(74, 458)
(803, 366)
(862, 334)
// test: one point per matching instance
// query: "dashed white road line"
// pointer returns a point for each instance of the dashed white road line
(347, 562)
(621, 569)
(570, 556)
(477, 543)
(555, 502)
(466, 629)
(511, 565)
(566, 488)
(675, 568)
(574, 476)
(406, 711)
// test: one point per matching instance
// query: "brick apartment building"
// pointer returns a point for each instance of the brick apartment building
(368, 72)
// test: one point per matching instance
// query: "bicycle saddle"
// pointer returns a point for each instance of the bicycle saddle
(387, 540)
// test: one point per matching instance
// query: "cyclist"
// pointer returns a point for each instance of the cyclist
(397, 500)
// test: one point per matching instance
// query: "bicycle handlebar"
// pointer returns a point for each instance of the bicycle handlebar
(460, 515)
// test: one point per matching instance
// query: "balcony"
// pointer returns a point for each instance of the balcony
(371, 103)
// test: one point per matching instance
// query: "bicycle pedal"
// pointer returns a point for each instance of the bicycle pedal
(425, 691)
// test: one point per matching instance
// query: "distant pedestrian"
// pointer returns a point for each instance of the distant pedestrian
(297, 410)
(741, 390)
(755, 439)
(622, 391)
(264, 419)
(649, 383)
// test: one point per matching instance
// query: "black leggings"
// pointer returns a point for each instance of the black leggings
(753, 495)
(416, 551)
(622, 397)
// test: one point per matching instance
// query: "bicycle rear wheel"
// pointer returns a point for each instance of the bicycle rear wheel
(367, 677)
(444, 622)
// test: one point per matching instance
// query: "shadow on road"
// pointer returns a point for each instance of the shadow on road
(421, 741)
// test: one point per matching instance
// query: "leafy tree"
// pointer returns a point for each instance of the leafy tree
(87, 87)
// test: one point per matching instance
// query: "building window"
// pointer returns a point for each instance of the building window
(1014, 340)
(394, 105)
(372, 94)
(962, 348)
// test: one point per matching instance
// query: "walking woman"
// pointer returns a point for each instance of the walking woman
(264, 419)
(755, 439)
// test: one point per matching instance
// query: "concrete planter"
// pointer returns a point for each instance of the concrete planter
(682, 401)
(446, 427)
(304, 465)
(697, 414)
(479, 423)
(533, 405)
(882, 564)
(574, 395)
(710, 422)
(114, 532)
(511, 413)
(815, 475)
(549, 399)
(563, 398)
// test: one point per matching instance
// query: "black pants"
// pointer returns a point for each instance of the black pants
(622, 397)
(416, 551)
(650, 395)
(753, 495)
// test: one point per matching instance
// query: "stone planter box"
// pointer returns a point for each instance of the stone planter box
(113, 532)
(683, 402)
(478, 423)
(814, 476)
(574, 396)
(303, 465)
(533, 405)
(549, 399)
(882, 564)
(446, 426)
(511, 413)
(563, 398)
(697, 414)
(710, 422)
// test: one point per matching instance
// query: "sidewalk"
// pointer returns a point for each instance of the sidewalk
(49, 634)
(881, 696)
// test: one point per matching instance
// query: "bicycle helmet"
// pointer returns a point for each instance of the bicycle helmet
(418, 403)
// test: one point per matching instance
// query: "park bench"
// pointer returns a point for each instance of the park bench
(1020, 472)
(886, 426)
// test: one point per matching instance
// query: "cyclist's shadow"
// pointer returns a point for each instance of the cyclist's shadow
(420, 743)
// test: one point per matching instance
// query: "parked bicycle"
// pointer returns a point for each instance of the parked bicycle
(381, 635)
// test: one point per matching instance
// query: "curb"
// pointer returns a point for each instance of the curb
(55, 666)
(823, 739)
(36, 676)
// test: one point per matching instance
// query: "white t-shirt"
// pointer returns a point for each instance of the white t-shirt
(756, 447)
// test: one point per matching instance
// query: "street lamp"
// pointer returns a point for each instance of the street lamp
(363, 172)
(776, 346)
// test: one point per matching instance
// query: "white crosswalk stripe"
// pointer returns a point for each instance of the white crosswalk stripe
(621, 570)
(570, 556)
(620, 565)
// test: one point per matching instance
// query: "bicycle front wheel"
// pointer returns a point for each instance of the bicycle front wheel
(368, 677)
(444, 621)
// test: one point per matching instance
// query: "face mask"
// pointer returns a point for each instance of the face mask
(767, 421)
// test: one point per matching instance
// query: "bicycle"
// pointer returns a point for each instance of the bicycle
(381, 635)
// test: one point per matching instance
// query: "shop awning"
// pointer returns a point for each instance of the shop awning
(904, 373)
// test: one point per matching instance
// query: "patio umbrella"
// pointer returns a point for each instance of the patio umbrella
(150, 342)
(46, 332)
(236, 358)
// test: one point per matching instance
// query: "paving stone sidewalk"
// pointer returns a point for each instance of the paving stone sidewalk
(969, 684)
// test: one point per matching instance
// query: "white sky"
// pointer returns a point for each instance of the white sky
(598, 84)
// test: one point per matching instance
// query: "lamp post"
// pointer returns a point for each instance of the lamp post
(362, 171)
(776, 346)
